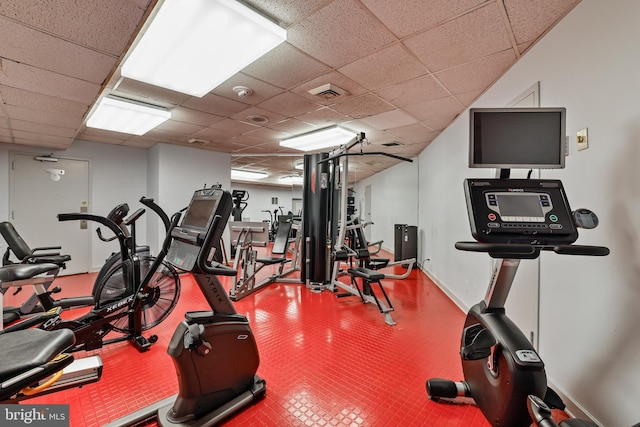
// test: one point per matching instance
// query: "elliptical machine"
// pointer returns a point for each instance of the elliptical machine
(214, 352)
(511, 219)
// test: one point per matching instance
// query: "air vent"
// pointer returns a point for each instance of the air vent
(328, 91)
(258, 119)
(197, 141)
(392, 144)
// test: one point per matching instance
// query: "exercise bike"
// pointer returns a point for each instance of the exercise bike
(109, 284)
(148, 300)
(214, 352)
(511, 220)
(541, 416)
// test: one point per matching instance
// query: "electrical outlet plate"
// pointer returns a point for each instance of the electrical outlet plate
(582, 139)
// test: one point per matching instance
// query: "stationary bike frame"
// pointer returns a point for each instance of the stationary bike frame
(92, 327)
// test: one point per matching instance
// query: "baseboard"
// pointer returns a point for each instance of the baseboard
(574, 409)
(444, 289)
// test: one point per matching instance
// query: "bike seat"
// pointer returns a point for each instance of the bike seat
(13, 272)
(21, 351)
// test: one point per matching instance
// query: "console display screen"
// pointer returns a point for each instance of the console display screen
(199, 213)
(520, 205)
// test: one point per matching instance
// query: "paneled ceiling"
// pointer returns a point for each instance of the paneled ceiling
(407, 69)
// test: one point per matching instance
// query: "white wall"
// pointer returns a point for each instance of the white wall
(260, 199)
(118, 175)
(589, 306)
(178, 172)
(393, 201)
(169, 174)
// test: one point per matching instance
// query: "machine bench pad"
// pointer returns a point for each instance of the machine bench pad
(366, 273)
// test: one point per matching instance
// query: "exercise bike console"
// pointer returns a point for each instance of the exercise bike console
(530, 211)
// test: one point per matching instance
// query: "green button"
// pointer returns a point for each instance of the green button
(553, 218)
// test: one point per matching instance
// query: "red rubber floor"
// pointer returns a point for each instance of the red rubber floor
(326, 361)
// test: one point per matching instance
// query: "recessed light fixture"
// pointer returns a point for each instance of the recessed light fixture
(193, 46)
(323, 138)
(127, 116)
(243, 175)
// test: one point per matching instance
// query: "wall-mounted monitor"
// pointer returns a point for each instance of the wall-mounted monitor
(517, 138)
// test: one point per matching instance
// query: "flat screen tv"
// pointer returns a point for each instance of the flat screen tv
(517, 138)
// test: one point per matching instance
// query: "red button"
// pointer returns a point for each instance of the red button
(492, 217)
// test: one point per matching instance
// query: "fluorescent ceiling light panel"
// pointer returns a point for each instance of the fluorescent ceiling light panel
(323, 138)
(127, 116)
(291, 180)
(193, 46)
(243, 175)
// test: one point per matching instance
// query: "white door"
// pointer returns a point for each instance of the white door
(39, 191)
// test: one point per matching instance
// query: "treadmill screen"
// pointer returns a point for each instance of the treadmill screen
(199, 213)
(520, 205)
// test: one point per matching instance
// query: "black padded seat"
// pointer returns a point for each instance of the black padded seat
(272, 260)
(366, 273)
(23, 252)
(27, 349)
(12, 272)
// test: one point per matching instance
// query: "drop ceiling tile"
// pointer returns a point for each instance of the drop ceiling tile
(469, 37)
(34, 79)
(91, 134)
(416, 91)
(179, 127)
(291, 127)
(363, 106)
(336, 79)
(40, 137)
(103, 138)
(245, 115)
(45, 129)
(104, 26)
(134, 89)
(467, 98)
(340, 33)
(269, 67)
(195, 117)
(323, 117)
(415, 133)
(53, 54)
(214, 104)
(40, 102)
(436, 114)
(476, 75)
(5, 139)
(522, 48)
(385, 67)
(286, 12)
(235, 127)
(57, 144)
(531, 18)
(260, 91)
(4, 132)
(417, 15)
(212, 134)
(266, 134)
(389, 119)
(289, 104)
(44, 117)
